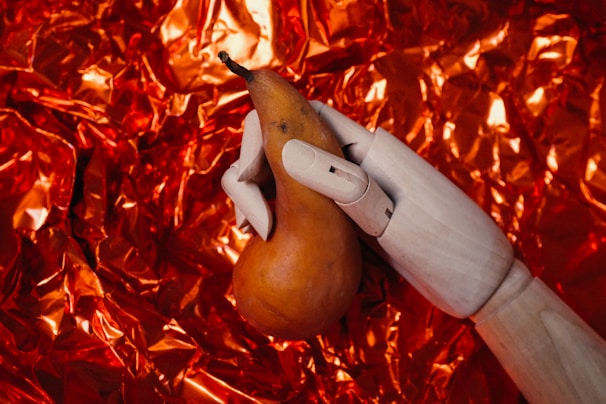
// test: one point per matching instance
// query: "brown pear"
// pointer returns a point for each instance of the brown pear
(305, 276)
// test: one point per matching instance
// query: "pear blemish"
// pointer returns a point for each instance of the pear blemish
(283, 126)
(304, 277)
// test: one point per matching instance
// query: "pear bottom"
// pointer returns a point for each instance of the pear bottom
(294, 288)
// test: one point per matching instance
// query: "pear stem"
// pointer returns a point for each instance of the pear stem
(236, 68)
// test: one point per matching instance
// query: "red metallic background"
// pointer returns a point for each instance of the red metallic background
(117, 243)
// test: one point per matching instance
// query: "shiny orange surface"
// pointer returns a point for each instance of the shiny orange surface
(117, 243)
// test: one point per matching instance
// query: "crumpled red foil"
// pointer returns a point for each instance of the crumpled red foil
(117, 243)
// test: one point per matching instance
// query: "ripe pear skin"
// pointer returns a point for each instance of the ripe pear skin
(304, 277)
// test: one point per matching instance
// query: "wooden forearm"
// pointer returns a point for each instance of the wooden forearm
(551, 354)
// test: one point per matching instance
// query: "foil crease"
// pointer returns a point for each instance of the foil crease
(117, 243)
